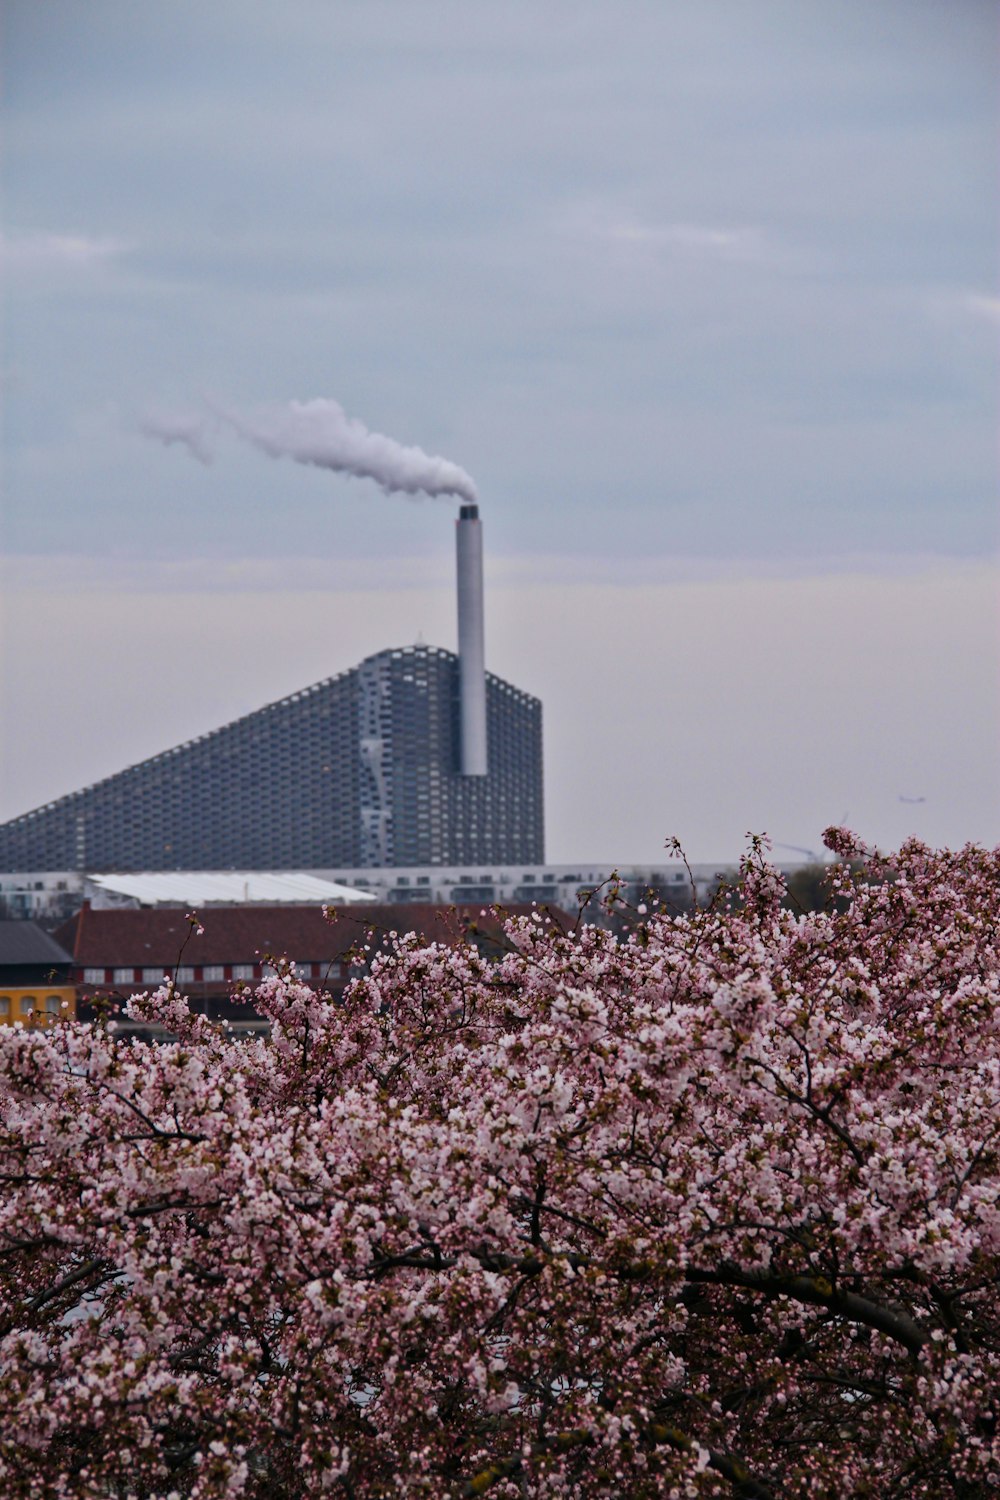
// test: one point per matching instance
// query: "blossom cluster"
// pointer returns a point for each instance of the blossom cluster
(709, 1208)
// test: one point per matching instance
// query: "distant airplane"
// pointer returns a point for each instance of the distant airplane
(911, 799)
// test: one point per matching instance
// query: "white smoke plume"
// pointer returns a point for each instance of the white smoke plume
(189, 430)
(321, 433)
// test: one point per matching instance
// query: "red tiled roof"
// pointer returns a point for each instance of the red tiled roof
(239, 934)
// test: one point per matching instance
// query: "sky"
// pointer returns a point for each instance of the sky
(702, 294)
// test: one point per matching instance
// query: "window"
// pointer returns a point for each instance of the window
(185, 974)
(304, 971)
(212, 973)
(93, 976)
(242, 971)
(124, 976)
(4, 1006)
(27, 1004)
(53, 1005)
(152, 976)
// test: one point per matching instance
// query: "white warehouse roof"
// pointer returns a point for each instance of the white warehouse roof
(227, 888)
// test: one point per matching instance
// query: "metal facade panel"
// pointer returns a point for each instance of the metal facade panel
(361, 769)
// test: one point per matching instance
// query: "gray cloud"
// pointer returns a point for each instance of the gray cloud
(39, 251)
(685, 287)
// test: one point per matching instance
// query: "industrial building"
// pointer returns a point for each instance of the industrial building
(416, 757)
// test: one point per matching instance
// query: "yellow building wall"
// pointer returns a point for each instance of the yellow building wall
(37, 1004)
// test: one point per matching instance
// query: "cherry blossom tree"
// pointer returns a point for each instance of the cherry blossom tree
(707, 1209)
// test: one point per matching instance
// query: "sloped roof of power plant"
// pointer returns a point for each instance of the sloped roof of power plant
(286, 787)
(193, 888)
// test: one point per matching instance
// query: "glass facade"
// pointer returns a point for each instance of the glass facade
(361, 769)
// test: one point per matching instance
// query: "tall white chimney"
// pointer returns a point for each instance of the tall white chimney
(471, 647)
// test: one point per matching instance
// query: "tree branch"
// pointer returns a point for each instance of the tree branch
(819, 1292)
(659, 1434)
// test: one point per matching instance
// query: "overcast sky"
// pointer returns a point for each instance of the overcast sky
(702, 293)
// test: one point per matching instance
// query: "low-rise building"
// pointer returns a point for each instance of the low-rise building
(53, 896)
(47, 896)
(120, 952)
(565, 887)
(36, 976)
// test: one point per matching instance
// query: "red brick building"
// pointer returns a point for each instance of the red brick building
(120, 952)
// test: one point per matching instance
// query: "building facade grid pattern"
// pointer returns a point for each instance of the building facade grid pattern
(361, 769)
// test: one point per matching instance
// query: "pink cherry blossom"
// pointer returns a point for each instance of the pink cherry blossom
(708, 1209)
